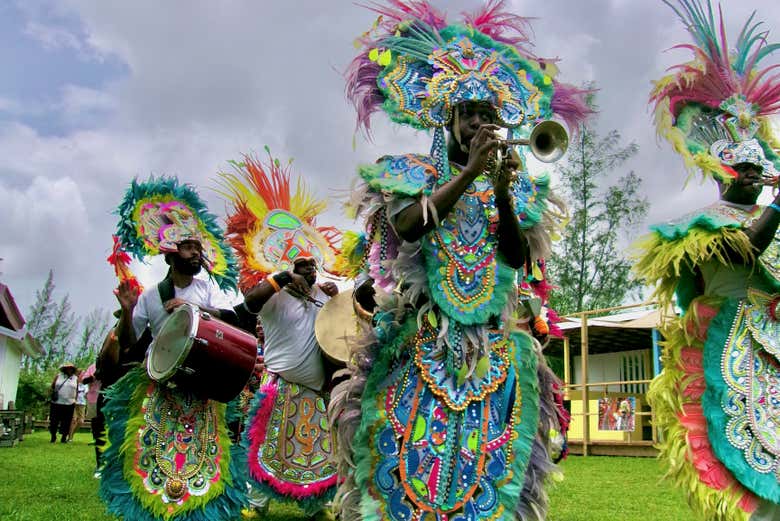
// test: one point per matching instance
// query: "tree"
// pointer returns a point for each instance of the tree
(95, 327)
(52, 323)
(587, 265)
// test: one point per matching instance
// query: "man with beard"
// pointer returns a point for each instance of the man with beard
(180, 286)
(169, 453)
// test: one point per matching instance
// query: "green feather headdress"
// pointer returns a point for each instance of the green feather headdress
(157, 214)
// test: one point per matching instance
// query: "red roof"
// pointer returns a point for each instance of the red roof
(10, 316)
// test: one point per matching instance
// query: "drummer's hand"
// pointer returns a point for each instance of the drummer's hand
(299, 284)
(173, 304)
(127, 296)
(259, 366)
(329, 288)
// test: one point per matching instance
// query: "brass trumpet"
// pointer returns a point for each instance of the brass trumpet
(548, 141)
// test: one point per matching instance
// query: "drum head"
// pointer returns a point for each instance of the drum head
(340, 322)
(172, 345)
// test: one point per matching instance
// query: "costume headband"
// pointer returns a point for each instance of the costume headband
(417, 69)
(156, 215)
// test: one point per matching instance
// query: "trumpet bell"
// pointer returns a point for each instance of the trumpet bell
(548, 141)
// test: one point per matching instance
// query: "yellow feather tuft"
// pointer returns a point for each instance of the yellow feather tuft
(660, 261)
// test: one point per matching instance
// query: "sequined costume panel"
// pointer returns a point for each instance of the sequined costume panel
(430, 461)
(170, 455)
(177, 452)
(289, 442)
(742, 400)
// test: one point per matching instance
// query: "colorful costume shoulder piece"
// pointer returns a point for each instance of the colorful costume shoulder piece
(456, 405)
(717, 392)
(156, 214)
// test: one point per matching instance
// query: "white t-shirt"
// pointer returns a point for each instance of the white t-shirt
(66, 389)
(150, 311)
(81, 394)
(291, 349)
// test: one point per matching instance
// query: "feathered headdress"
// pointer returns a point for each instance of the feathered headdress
(270, 226)
(156, 215)
(714, 109)
(417, 68)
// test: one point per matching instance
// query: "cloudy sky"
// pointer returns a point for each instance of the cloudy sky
(93, 93)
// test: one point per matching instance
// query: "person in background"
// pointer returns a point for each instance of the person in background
(63, 400)
(79, 408)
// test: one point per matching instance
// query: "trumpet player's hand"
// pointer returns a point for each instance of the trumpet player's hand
(484, 144)
(505, 176)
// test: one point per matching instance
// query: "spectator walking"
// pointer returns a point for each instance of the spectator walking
(63, 401)
(79, 409)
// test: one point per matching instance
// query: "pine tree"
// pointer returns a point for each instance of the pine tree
(52, 323)
(95, 327)
(587, 264)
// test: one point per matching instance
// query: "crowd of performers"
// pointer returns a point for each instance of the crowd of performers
(434, 402)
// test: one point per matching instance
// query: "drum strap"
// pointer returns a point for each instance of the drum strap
(165, 289)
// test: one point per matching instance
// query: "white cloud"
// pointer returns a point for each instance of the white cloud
(77, 101)
(207, 81)
(44, 221)
(9, 106)
(52, 37)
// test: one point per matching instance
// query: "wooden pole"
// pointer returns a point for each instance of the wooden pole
(585, 395)
(566, 366)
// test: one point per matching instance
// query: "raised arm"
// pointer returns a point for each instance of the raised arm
(128, 299)
(762, 231)
(256, 298)
(410, 224)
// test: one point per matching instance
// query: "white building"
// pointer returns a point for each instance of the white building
(14, 341)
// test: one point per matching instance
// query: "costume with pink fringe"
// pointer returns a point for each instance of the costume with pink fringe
(287, 437)
(170, 456)
(449, 408)
(716, 399)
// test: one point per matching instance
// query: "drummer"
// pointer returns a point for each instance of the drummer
(287, 303)
(168, 454)
(156, 303)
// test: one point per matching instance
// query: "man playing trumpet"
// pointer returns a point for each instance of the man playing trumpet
(449, 407)
(716, 399)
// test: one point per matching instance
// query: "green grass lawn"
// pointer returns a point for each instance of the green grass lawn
(43, 481)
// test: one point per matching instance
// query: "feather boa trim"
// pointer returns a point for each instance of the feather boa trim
(123, 492)
(675, 396)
